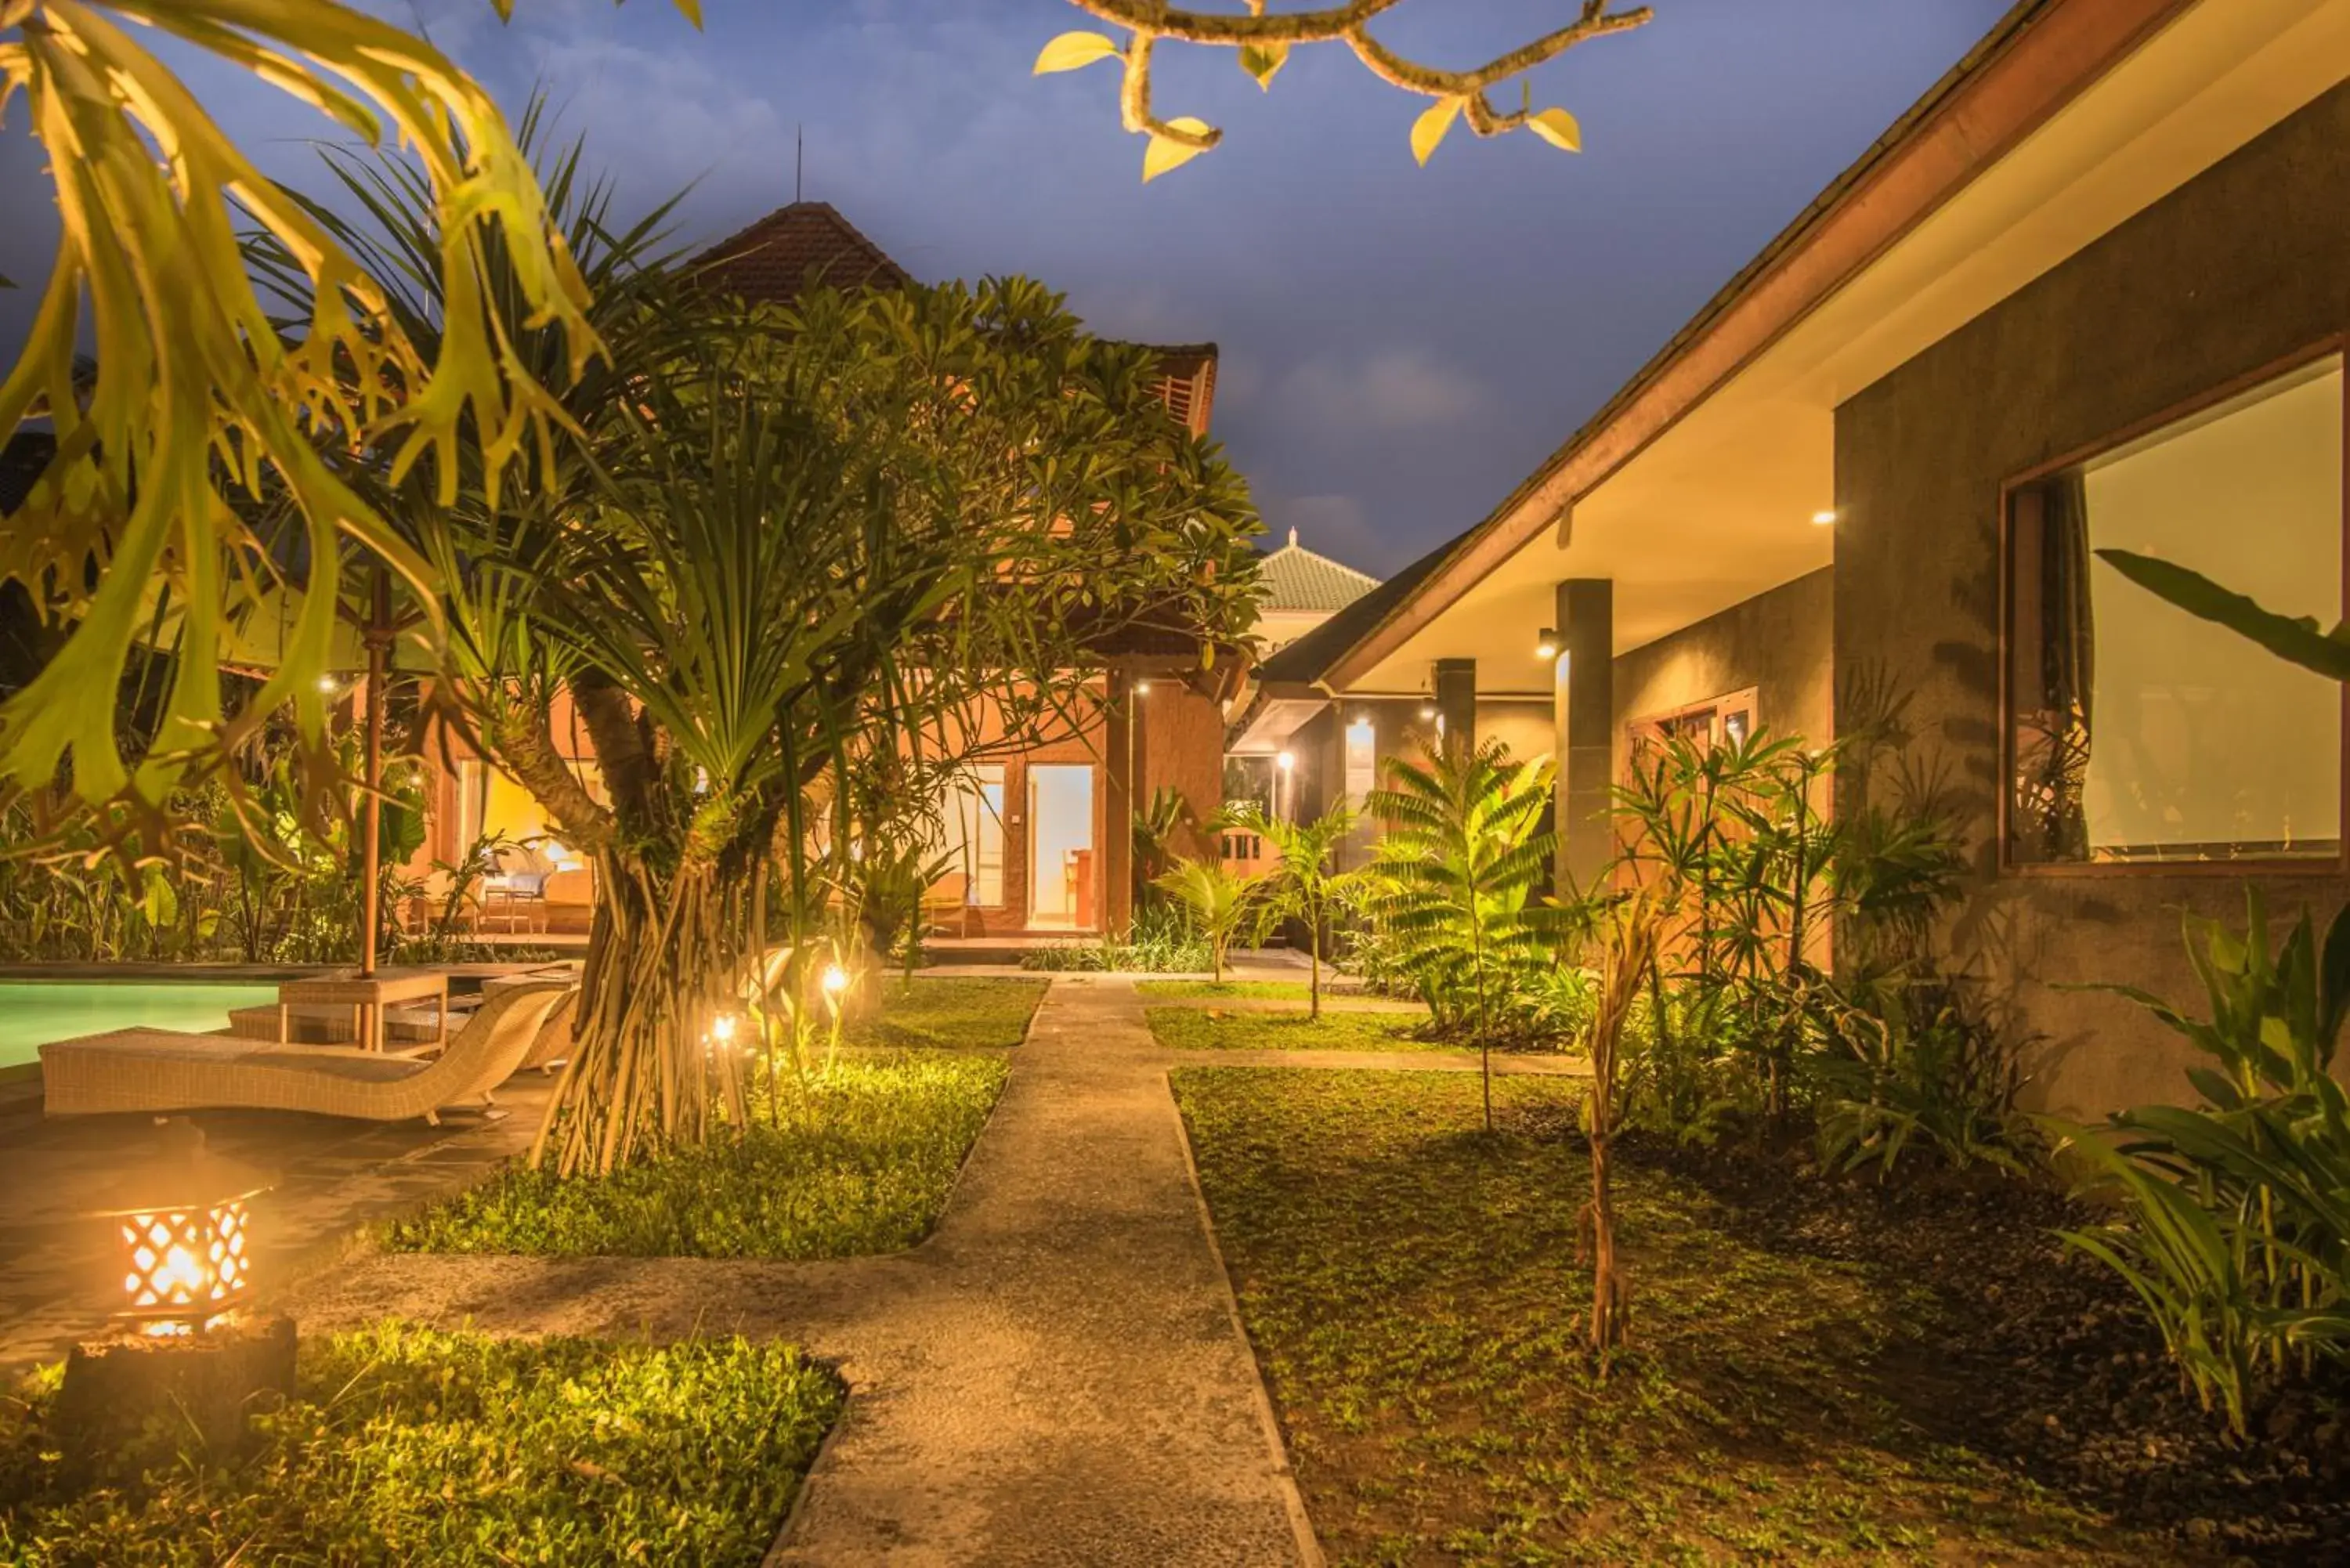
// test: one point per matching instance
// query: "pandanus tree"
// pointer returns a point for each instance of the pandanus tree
(783, 563)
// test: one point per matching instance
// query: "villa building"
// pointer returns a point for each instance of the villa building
(2092, 291)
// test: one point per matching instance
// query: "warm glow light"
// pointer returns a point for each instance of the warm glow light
(1824, 518)
(1285, 761)
(1427, 709)
(184, 1263)
(721, 1028)
(836, 979)
(1142, 689)
(1546, 646)
(326, 684)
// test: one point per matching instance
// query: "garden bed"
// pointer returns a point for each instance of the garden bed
(409, 1445)
(960, 1014)
(859, 1160)
(1818, 1369)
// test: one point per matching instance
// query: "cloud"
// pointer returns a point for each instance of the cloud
(1391, 391)
(1338, 526)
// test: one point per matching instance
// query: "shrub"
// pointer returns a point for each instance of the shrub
(2236, 1213)
(1159, 941)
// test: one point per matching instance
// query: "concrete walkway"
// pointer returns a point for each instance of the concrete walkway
(1058, 1376)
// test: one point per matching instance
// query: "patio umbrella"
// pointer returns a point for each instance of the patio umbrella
(364, 645)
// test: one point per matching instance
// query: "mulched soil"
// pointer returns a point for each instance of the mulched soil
(2044, 1360)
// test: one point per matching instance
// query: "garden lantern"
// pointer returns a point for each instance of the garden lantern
(183, 1243)
(187, 1355)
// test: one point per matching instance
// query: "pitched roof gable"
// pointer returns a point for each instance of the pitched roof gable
(774, 259)
(1297, 578)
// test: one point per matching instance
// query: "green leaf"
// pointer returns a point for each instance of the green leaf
(1075, 51)
(1264, 62)
(1166, 153)
(2295, 639)
(1559, 128)
(1428, 129)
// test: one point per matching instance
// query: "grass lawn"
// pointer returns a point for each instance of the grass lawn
(861, 1162)
(962, 1015)
(1204, 1029)
(1242, 989)
(1411, 1289)
(409, 1445)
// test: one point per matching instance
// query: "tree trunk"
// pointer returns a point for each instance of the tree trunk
(667, 955)
(1631, 952)
(1314, 960)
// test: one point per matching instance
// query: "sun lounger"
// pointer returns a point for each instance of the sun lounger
(160, 1070)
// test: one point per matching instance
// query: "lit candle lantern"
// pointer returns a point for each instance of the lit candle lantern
(183, 1228)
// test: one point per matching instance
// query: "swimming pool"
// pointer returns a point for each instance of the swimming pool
(35, 1011)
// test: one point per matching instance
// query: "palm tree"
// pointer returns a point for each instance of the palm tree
(1217, 900)
(1304, 886)
(1463, 850)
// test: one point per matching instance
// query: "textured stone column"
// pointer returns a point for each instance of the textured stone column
(1585, 712)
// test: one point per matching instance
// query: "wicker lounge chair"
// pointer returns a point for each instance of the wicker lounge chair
(159, 1070)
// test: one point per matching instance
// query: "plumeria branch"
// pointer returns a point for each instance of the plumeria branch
(1263, 39)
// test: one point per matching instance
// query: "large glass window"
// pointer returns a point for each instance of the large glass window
(973, 836)
(2138, 734)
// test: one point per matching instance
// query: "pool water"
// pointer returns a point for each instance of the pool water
(35, 1011)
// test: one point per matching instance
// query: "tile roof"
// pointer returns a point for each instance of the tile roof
(1311, 656)
(771, 261)
(774, 259)
(1295, 578)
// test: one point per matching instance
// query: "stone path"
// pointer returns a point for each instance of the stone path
(1058, 1376)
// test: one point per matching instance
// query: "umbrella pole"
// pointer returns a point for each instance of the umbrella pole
(378, 634)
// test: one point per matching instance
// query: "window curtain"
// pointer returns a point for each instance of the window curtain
(2067, 663)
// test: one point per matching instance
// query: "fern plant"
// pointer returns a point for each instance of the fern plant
(1465, 848)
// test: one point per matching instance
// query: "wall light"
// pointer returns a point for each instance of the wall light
(1142, 689)
(326, 684)
(1285, 761)
(1546, 646)
(1823, 519)
(1427, 709)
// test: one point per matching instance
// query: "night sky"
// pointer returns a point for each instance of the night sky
(1401, 346)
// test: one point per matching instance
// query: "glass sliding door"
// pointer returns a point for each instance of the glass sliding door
(1061, 846)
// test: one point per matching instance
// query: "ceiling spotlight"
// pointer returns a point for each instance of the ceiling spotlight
(1546, 646)
(1823, 519)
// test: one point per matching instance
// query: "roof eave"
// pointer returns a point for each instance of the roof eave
(2042, 55)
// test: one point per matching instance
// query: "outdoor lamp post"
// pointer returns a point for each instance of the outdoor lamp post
(187, 1351)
